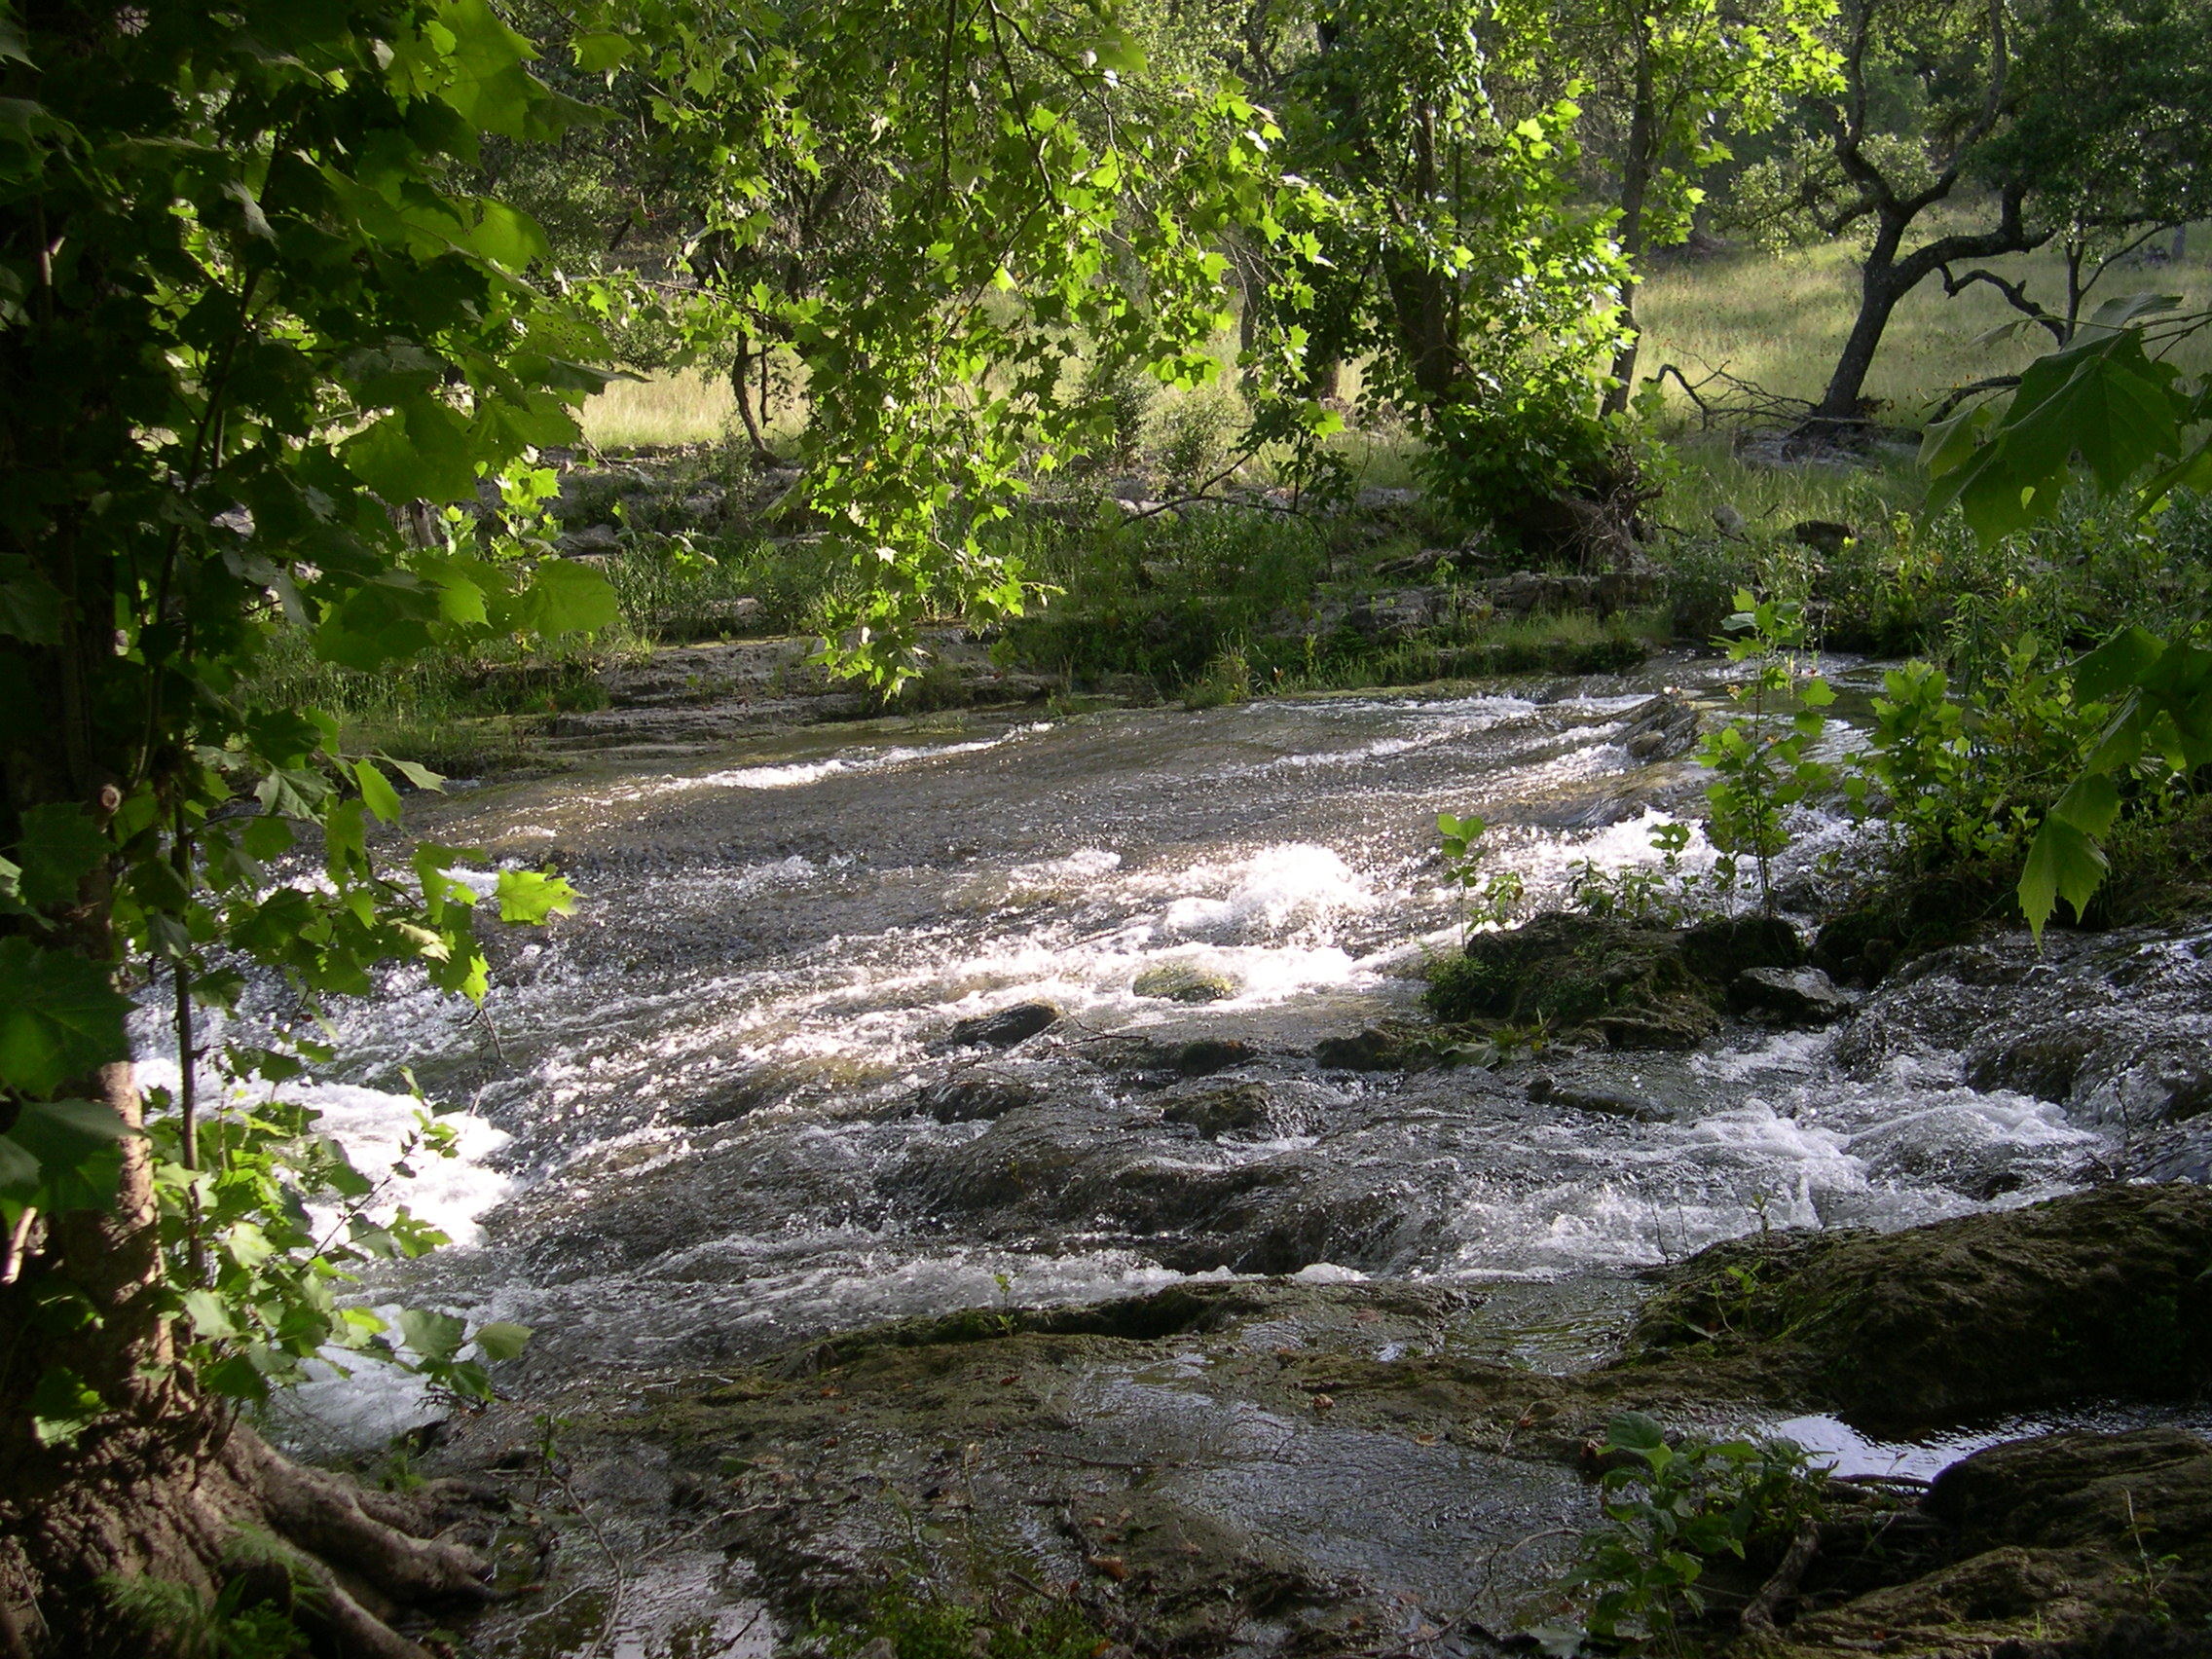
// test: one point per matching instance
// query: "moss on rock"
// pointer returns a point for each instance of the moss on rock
(2101, 1292)
(1638, 987)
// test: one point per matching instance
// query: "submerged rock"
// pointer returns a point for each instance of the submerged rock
(972, 1096)
(1660, 728)
(1636, 987)
(1222, 1111)
(1373, 1050)
(1546, 1091)
(1183, 982)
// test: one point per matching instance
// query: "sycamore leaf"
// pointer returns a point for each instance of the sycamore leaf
(433, 1335)
(61, 1016)
(527, 895)
(600, 51)
(2063, 863)
(566, 598)
(60, 848)
(68, 1149)
(502, 1339)
(377, 792)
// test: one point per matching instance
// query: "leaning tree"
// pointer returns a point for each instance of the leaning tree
(1970, 130)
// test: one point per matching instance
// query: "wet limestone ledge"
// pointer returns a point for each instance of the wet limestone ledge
(1284, 1467)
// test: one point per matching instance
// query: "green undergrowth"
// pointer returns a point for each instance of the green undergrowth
(919, 1623)
(1900, 586)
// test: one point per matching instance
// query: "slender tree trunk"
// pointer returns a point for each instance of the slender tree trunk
(1635, 186)
(161, 1481)
(737, 384)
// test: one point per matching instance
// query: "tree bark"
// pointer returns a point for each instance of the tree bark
(1636, 168)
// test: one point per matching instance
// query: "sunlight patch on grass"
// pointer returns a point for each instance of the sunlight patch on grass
(688, 407)
(1780, 321)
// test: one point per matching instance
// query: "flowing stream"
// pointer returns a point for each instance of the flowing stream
(719, 1110)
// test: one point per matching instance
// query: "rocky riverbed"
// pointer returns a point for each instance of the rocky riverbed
(995, 1156)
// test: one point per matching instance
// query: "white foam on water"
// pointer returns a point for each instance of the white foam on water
(1271, 890)
(796, 774)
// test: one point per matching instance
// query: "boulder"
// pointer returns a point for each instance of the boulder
(1634, 986)
(2098, 1293)
(1003, 1028)
(1789, 996)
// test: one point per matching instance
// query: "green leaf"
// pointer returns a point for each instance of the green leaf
(210, 1318)
(236, 1378)
(30, 606)
(1635, 1431)
(433, 1335)
(62, 1406)
(2118, 665)
(66, 1148)
(2062, 863)
(600, 51)
(568, 598)
(420, 776)
(61, 1016)
(502, 1339)
(420, 452)
(377, 792)
(529, 895)
(61, 846)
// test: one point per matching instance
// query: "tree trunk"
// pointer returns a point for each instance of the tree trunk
(1843, 404)
(1636, 187)
(163, 1481)
(165, 1484)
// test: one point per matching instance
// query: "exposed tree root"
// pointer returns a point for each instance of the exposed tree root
(134, 1501)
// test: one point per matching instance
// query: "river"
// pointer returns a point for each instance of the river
(718, 1110)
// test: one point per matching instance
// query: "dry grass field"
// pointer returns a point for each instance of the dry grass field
(1776, 320)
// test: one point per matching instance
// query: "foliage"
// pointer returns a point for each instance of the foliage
(2127, 414)
(1453, 258)
(2028, 109)
(237, 1621)
(1669, 895)
(250, 338)
(963, 264)
(1669, 1511)
(1762, 762)
(1485, 901)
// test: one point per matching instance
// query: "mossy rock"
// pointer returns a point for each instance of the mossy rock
(1183, 982)
(2102, 1292)
(1638, 987)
